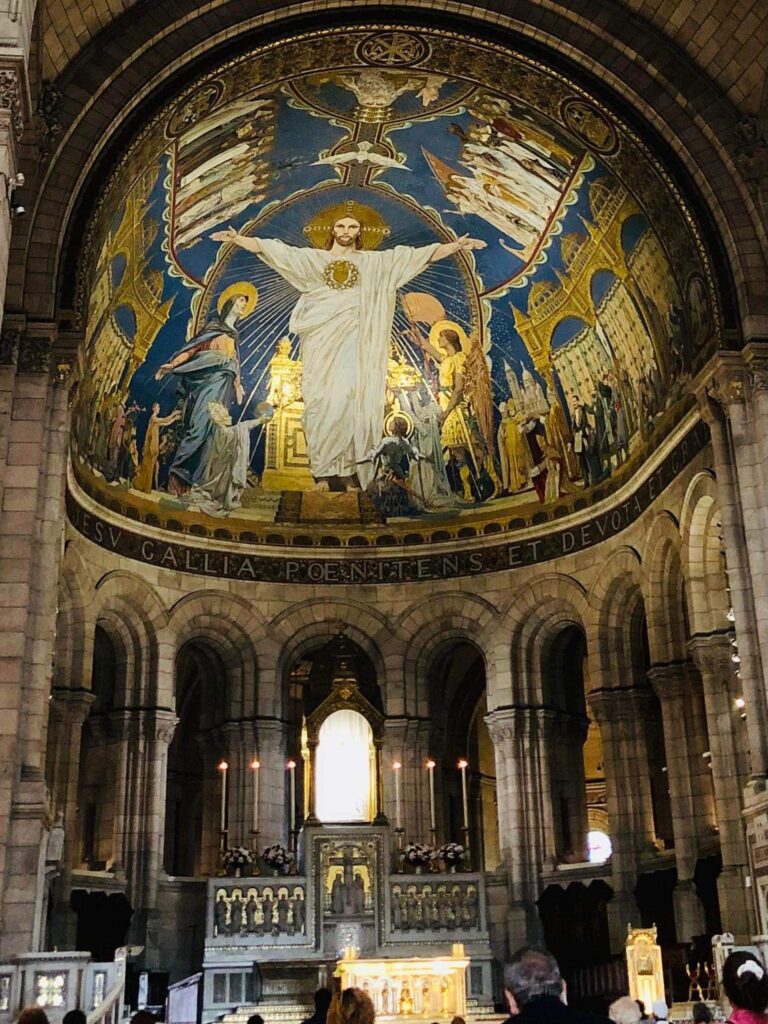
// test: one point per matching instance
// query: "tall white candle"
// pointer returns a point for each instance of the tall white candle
(292, 770)
(431, 770)
(255, 765)
(398, 817)
(223, 766)
(463, 770)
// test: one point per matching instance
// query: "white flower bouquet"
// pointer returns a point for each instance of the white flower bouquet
(277, 857)
(418, 855)
(236, 858)
(451, 853)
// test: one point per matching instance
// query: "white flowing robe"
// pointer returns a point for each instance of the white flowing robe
(345, 335)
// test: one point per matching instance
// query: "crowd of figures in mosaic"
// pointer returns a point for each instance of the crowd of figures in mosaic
(478, 270)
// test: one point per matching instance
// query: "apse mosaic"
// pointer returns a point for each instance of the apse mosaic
(373, 278)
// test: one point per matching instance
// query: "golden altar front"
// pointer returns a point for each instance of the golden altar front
(427, 987)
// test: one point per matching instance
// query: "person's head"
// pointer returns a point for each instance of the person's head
(399, 429)
(353, 1007)
(660, 1009)
(255, 1018)
(346, 232)
(458, 1020)
(745, 982)
(234, 308)
(625, 1011)
(450, 341)
(155, 408)
(322, 1001)
(219, 414)
(531, 974)
(74, 1017)
(32, 1015)
(701, 1014)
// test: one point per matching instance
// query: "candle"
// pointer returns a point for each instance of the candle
(396, 768)
(255, 765)
(431, 770)
(463, 770)
(223, 766)
(292, 770)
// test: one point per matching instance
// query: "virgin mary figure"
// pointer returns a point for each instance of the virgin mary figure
(207, 370)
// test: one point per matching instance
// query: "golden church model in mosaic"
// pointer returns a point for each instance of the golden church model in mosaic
(343, 288)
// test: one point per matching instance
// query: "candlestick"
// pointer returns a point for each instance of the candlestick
(463, 770)
(292, 770)
(431, 770)
(396, 769)
(223, 766)
(255, 765)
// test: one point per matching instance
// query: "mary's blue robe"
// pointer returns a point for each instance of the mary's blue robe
(208, 376)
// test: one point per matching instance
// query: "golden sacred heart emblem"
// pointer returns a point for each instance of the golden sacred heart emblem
(340, 274)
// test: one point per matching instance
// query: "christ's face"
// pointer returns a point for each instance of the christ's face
(346, 230)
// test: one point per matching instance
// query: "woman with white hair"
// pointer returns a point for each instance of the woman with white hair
(625, 1011)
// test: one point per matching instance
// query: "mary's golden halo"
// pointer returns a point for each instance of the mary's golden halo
(239, 288)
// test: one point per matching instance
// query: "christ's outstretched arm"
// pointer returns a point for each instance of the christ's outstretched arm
(244, 241)
(463, 244)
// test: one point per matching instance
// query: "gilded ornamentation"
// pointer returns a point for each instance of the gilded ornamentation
(341, 274)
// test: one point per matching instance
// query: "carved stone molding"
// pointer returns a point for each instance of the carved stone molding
(11, 99)
(49, 114)
(10, 339)
(35, 354)
(751, 152)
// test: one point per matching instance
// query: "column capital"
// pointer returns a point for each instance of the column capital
(671, 681)
(73, 703)
(724, 384)
(756, 360)
(711, 653)
(619, 703)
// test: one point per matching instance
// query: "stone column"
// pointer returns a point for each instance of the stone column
(684, 743)
(271, 742)
(31, 527)
(712, 656)
(621, 712)
(69, 710)
(526, 835)
(407, 740)
(743, 498)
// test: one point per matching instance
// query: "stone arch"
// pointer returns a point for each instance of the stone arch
(303, 624)
(530, 620)
(616, 616)
(226, 623)
(73, 647)
(131, 612)
(703, 566)
(663, 590)
(426, 626)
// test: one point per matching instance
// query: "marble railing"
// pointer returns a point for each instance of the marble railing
(266, 911)
(57, 981)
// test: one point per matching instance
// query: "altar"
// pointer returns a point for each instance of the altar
(341, 899)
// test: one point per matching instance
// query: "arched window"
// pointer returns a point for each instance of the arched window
(344, 776)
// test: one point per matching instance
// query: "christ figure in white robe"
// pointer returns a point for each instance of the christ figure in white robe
(343, 318)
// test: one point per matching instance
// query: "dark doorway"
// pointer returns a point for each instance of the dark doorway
(102, 921)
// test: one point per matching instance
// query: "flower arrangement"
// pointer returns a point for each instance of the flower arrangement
(277, 857)
(235, 858)
(451, 853)
(418, 855)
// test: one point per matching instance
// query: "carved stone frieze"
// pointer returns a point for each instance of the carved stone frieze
(10, 339)
(751, 152)
(35, 354)
(259, 910)
(11, 99)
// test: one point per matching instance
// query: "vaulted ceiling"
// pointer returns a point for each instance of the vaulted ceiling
(728, 39)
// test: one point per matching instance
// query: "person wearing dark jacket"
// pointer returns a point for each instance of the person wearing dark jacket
(536, 992)
(322, 1002)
